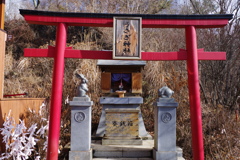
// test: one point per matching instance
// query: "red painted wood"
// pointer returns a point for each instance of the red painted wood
(211, 55)
(173, 23)
(34, 52)
(71, 21)
(194, 94)
(148, 56)
(9, 95)
(108, 22)
(168, 56)
(87, 54)
(56, 98)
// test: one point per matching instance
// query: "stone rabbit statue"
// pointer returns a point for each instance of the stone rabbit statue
(165, 92)
(83, 87)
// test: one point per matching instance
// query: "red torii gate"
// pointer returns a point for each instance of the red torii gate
(60, 51)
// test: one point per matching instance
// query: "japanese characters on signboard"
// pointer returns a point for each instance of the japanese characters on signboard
(122, 124)
(127, 38)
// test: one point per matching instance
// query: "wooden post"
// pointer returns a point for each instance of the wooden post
(2, 45)
(2, 57)
(2, 12)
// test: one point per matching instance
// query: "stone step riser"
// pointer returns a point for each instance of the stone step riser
(122, 154)
(126, 152)
(122, 159)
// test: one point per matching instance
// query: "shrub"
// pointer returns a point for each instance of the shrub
(25, 141)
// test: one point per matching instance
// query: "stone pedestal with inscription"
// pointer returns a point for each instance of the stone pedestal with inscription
(165, 130)
(122, 127)
(81, 110)
(121, 104)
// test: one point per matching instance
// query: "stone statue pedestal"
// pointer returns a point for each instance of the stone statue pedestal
(165, 130)
(81, 111)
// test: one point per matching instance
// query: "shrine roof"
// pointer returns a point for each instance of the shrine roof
(120, 63)
(106, 19)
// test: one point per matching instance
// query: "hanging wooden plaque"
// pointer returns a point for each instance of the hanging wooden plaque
(127, 38)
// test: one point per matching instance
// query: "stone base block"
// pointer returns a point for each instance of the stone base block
(86, 99)
(179, 152)
(160, 155)
(121, 141)
(80, 155)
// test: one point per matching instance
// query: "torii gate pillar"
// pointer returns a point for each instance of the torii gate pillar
(194, 92)
(57, 87)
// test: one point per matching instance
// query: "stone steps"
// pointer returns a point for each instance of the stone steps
(125, 152)
(179, 158)
(122, 151)
(122, 159)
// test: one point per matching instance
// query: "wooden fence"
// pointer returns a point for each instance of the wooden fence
(18, 107)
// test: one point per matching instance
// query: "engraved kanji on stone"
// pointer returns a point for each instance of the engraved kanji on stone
(122, 123)
(114, 123)
(130, 123)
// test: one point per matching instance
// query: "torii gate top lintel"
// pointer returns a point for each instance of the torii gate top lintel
(60, 51)
(106, 19)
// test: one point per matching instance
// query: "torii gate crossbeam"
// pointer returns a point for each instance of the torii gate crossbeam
(191, 54)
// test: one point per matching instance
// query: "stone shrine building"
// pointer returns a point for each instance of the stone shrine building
(121, 120)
